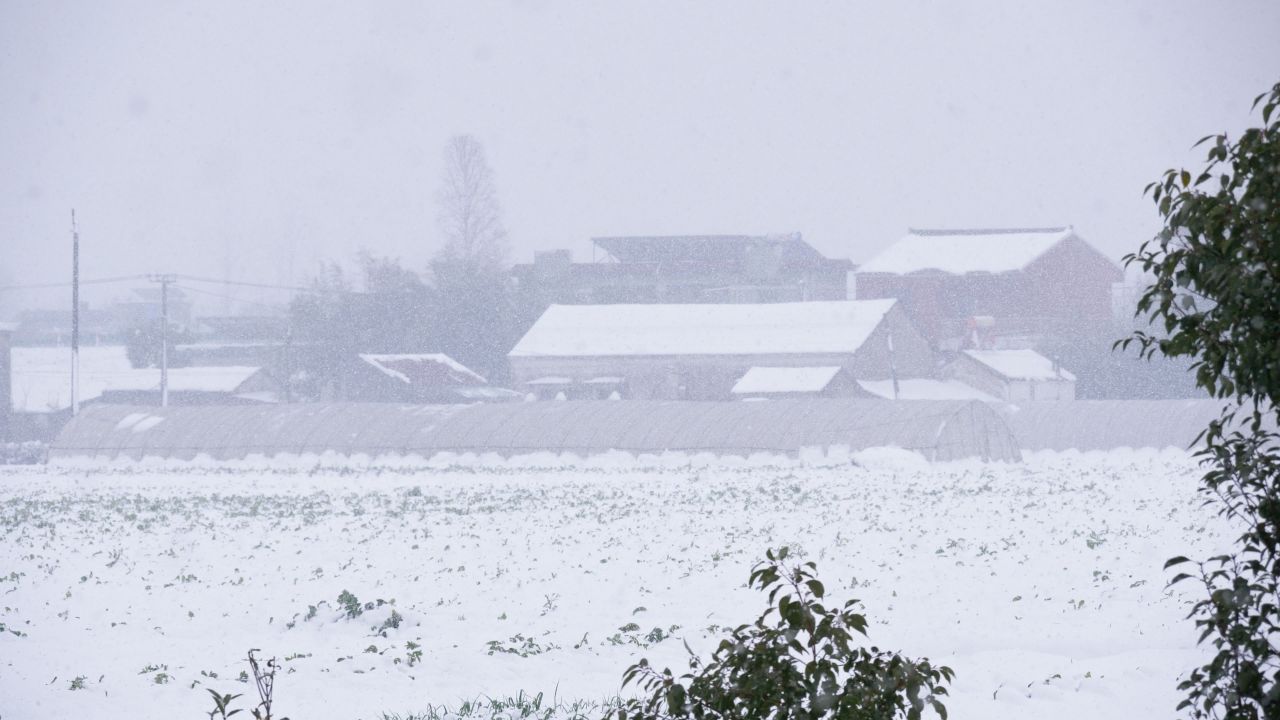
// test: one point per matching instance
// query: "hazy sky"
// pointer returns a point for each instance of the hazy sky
(253, 139)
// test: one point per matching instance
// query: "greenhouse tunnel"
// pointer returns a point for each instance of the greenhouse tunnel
(938, 430)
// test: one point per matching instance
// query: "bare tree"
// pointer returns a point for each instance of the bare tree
(469, 214)
(475, 320)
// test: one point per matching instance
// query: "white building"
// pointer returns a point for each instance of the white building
(699, 351)
(1014, 375)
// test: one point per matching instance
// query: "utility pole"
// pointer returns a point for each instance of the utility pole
(75, 316)
(893, 365)
(165, 281)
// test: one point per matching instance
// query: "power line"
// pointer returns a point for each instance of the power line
(186, 288)
(97, 281)
(264, 286)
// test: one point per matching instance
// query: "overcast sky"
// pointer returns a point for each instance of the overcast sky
(254, 139)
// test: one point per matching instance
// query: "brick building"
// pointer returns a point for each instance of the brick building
(1024, 282)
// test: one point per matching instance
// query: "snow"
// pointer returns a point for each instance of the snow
(926, 389)
(702, 329)
(41, 376)
(1039, 583)
(386, 363)
(958, 252)
(223, 379)
(551, 380)
(759, 380)
(1022, 364)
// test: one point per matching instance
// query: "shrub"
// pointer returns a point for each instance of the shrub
(1215, 297)
(799, 660)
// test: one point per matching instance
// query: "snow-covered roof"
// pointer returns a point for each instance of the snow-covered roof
(485, 392)
(220, 379)
(958, 252)
(41, 376)
(551, 381)
(925, 389)
(703, 329)
(423, 368)
(1020, 364)
(766, 380)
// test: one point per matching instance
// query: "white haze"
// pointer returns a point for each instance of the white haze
(252, 140)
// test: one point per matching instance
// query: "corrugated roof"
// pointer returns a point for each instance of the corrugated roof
(958, 252)
(702, 329)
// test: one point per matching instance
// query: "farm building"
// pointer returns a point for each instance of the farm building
(1013, 375)
(937, 430)
(686, 269)
(1029, 282)
(40, 386)
(793, 382)
(218, 385)
(418, 378)
(698, 352)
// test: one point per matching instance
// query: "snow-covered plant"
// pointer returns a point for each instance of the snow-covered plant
(800, 660)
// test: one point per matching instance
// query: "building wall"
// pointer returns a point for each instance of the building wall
(977, 375)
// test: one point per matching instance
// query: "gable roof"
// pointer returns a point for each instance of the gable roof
(765, 380)
(40, 377)
(703, 329)
(957, 252)
(423, 369)
(1020, 364)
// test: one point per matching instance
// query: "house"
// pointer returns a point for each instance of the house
(768, 383)
(112, 323)
(700, 351)
(685, 269)
(257, 340)
(215, 385)
(1014, 375)
(1015, 282)
(419, 378)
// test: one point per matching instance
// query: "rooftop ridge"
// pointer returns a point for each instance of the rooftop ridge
(931, 232)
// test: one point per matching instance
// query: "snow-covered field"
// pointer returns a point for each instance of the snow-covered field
(126, 593)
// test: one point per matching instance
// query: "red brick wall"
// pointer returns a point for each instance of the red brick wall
(1067, 288)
